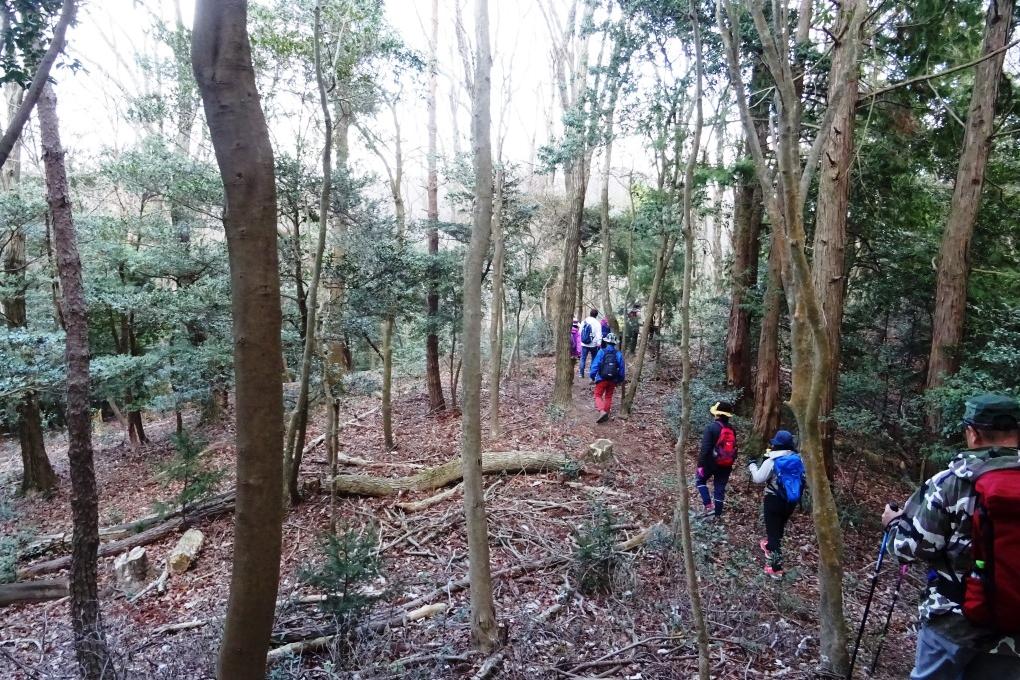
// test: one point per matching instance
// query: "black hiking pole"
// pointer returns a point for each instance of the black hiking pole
(888, 618)
(871, 594)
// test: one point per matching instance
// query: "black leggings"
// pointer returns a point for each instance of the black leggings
(777, 513)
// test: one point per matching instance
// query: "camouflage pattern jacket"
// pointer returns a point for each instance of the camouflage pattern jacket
(935, 528)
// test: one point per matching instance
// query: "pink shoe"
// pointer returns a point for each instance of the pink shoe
(774, 573)
(764, 544)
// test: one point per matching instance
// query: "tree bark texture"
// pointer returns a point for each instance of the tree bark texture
(387, 382)
(765, 420)
(432, 376)
(484, 630)
(748, 211)
(832, 212)
(496, 309)
(90, 648)
(954, 255)
(563, 315)
(221, 57)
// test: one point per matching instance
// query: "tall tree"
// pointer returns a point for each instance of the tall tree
(90, 648)
(484, 629)
(765, 419)
(38, 474)
(954, 255)
(298, 425)
(496, 309)
(432, 376)
(680, 451)
(785, 193)
(221, 57)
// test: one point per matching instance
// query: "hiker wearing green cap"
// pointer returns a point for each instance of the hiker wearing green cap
(715, 461)
(964, 524)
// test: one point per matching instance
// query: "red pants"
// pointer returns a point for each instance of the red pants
(604, 395)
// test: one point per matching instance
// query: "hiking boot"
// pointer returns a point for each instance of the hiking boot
(603, 417)
(773, 573)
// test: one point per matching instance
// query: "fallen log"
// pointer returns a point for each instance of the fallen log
(437, 477)
(222, 505)
(417, 506)
(41, 545)
(32, 591)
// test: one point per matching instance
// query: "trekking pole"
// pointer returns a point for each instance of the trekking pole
(871, 594)
(888, 618)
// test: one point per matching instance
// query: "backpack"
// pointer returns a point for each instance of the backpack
(726, 447)
(992, 591)
(586, 333)
(789, 471)
(609, 369)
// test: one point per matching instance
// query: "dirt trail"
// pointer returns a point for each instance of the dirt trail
(760, 627)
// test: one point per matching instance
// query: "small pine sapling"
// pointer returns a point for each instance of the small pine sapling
(191, 472)
(350, 563)
(596, 561)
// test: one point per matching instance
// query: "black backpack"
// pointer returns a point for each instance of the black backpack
(609, 369)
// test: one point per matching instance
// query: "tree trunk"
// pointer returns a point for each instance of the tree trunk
(765, 420)
(90, 648)
(748, 211)
(577, 180)
(38, 474)
(484, 630)
(221, 57)
(298, 426)
(954, 256)
(433, 379)
(496, 310)
(607, 246)
(387, 383)
(680, 451)
(829, 253)
(664, 257)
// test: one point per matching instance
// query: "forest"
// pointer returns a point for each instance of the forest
(378, 339)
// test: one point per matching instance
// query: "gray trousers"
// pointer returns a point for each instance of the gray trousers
(939, 658)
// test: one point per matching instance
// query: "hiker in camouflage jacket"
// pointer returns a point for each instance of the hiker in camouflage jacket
(934, 527)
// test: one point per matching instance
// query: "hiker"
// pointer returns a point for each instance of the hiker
(606, 330)
(633, 326)
(607, 371)
(591, 338)
(715, 462)
(575, 340)
(782, 473)
(970, 617)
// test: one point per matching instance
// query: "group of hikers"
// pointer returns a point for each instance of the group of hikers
(963, 525)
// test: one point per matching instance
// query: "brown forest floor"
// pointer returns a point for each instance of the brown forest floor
(759, 627)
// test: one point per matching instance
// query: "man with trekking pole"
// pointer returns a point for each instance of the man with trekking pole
(964, 524)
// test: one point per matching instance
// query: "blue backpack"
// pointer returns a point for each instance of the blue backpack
(586, 333)
(789, 471)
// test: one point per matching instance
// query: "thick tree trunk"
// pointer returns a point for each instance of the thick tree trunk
(295, 438)
(954, 256)
(484, 630)
(607, 303)
(90, 648)
(748, 211)
(662, 261)
(829, 256)
(221, 56)
(432, 376)
(765, 420)
(496, 309)
(563, 312)
(38, 474)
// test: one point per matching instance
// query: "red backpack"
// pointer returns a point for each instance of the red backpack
(992, 591)
(726, 447)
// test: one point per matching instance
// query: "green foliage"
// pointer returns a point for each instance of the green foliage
(571, 469)
(191, 472)
(596, 563)
(9, 546)
(350, 562)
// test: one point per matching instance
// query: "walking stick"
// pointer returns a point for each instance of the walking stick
(871, 594)
(888, 618)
